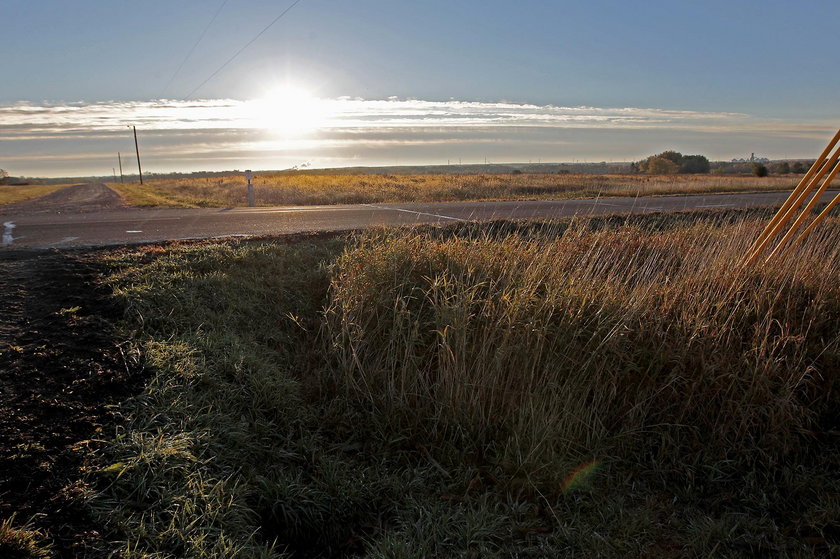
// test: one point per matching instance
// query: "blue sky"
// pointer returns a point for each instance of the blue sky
(757, 76)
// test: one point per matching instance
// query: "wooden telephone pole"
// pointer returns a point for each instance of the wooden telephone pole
(137, 149)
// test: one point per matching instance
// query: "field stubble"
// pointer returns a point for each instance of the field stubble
(313, 189)
(604, 387)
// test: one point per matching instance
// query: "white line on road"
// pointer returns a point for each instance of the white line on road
(7, 232)
(414, 212)
(294, 210)
(62, 241)
(303, 210)
(133, 231)
(642, 208)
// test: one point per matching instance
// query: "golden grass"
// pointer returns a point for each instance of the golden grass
(25, 541)
(314, 189)
(146, 195)
(552, 344)
(12, 194)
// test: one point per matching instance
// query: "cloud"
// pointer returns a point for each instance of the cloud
(270, 135)
(335, 114)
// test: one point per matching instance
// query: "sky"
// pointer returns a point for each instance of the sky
(374, 82)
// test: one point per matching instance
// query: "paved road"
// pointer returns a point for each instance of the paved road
(90, 224)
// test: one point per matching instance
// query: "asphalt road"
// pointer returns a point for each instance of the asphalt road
(94, 218)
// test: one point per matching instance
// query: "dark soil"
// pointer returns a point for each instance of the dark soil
(62, 373)
(79, 198)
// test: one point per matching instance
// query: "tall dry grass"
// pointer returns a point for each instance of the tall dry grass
(311, 189)
(558, 345)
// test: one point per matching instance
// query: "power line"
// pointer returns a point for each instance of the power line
(248, 44)
(189, 54)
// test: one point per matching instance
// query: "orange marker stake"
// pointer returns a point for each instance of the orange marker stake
(805, 213)
(814, 174)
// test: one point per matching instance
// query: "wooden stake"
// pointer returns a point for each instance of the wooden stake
(808, 230)
(807, 211)
(794, 201)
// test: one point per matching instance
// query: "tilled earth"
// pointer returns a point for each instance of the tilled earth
(63, 373)
(79, 198)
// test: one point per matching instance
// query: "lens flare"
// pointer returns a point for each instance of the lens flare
(580, 475)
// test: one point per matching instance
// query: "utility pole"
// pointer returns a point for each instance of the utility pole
(137, 149)
(119, 158)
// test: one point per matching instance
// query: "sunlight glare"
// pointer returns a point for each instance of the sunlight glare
(290, 111)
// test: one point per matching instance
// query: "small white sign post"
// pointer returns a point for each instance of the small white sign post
(248, 176)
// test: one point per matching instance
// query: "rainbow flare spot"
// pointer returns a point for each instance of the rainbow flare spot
(580, 475)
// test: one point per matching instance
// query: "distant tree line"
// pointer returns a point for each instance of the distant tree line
(672, 163)
(761, 169)
(785, 167)
(6, 179)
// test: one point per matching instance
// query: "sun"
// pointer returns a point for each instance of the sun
(289, 111)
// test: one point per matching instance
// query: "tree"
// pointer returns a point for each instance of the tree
(692, 164)
(672, 162)
(4, 176)
(759, 170)
(798, 167)
(671, 155)
(665, 163)
(662, 166)
(782, 168)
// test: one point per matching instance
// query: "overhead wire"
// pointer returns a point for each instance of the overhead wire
(192, 50)
(238, 52)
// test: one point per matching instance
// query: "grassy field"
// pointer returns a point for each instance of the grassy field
(12, 194)
(313, 189)
(591, 388)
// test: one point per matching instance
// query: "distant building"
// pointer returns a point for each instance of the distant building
(752, 159)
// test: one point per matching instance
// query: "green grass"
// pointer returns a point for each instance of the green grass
(603, 388)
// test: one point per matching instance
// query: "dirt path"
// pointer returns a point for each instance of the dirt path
(80, 198)
(61, 372)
